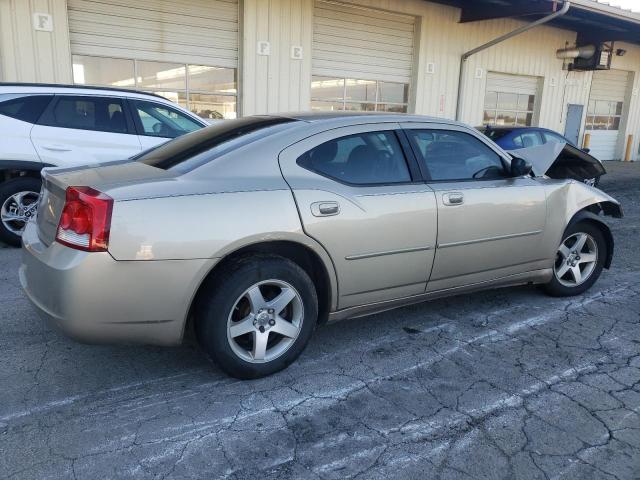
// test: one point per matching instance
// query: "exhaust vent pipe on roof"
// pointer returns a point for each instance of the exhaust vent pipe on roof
(586, 52)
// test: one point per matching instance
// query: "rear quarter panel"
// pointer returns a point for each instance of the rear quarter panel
(199, 226)
(208, 226)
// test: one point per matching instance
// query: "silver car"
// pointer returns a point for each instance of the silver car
(257, 230)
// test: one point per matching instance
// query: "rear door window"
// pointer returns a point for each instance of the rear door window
(27, 108)
(371, 158)
(102, 114)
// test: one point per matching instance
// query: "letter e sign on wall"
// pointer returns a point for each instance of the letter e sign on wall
(43, 22)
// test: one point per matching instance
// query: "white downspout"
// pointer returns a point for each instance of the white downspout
(518, 31)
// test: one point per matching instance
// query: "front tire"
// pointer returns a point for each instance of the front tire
(257, 315)
(18, 203)
(579, 260)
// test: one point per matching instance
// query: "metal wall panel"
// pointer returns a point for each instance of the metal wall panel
(183, 31)
(28, 55)
(631, 63)
(357, 42)
(276, 82)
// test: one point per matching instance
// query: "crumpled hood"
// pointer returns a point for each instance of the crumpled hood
(541, 157)
(561, 160)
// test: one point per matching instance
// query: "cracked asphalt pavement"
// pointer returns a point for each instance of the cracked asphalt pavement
(502, 384)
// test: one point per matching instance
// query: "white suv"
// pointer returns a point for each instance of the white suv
(57, 125)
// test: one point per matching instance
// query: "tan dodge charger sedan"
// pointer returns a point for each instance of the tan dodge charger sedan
(257, 230)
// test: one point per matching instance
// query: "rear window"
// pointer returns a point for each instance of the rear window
(202, 146)
(27, 108)
(494, 134)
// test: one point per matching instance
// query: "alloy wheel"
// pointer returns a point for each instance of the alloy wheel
(265, 321)
(576, 259)
(17, 210)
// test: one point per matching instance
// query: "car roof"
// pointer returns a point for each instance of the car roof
(16, 87)
(513, 128)
(363, 117)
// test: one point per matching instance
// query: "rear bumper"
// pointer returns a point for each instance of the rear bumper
(95, 299)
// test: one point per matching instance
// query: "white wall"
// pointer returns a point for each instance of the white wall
(27, 55)
(277, 83)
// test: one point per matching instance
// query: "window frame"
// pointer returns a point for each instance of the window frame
(517, 112)
(592, 115)
(405, 150)
(139, 128)
(422, 165)
(186, 90)
(21, 96)
(47, 119)
(344, 102)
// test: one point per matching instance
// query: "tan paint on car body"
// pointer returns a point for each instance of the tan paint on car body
(161, 226)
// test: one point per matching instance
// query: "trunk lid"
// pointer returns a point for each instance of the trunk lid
(102, 178)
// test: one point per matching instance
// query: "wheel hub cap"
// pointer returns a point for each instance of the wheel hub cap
(17, 210)
(265, 321)
(576, 259)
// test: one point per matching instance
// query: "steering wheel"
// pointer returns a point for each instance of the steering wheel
(483, 171)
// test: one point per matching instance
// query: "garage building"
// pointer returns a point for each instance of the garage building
(224, 58)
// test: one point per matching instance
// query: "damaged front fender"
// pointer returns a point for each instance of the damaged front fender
(571, 202)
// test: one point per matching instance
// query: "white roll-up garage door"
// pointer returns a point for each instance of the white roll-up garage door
(203, 32)
(362, 43)
(504, 82)
(606, 112)
(511, 99)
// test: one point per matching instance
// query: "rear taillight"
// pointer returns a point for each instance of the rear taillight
(86, 220)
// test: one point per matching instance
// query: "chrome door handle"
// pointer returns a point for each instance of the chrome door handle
(325, 209)
(453, 198)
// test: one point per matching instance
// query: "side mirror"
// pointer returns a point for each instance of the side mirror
(586, 150)
(520, 167)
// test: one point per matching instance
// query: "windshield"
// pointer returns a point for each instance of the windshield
(197, 148)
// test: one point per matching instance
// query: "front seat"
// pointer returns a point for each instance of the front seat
(117, 122)
(362, 164)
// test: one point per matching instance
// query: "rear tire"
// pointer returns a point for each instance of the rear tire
(256, 316)
(17, 197)
(579, 260)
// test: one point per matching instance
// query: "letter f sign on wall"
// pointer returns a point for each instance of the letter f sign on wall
(43, 22)
(264, 48)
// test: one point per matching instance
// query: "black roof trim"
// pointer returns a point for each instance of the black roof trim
(85, 87)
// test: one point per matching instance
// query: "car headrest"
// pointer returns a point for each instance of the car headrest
(117, 121)
(325, 152)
